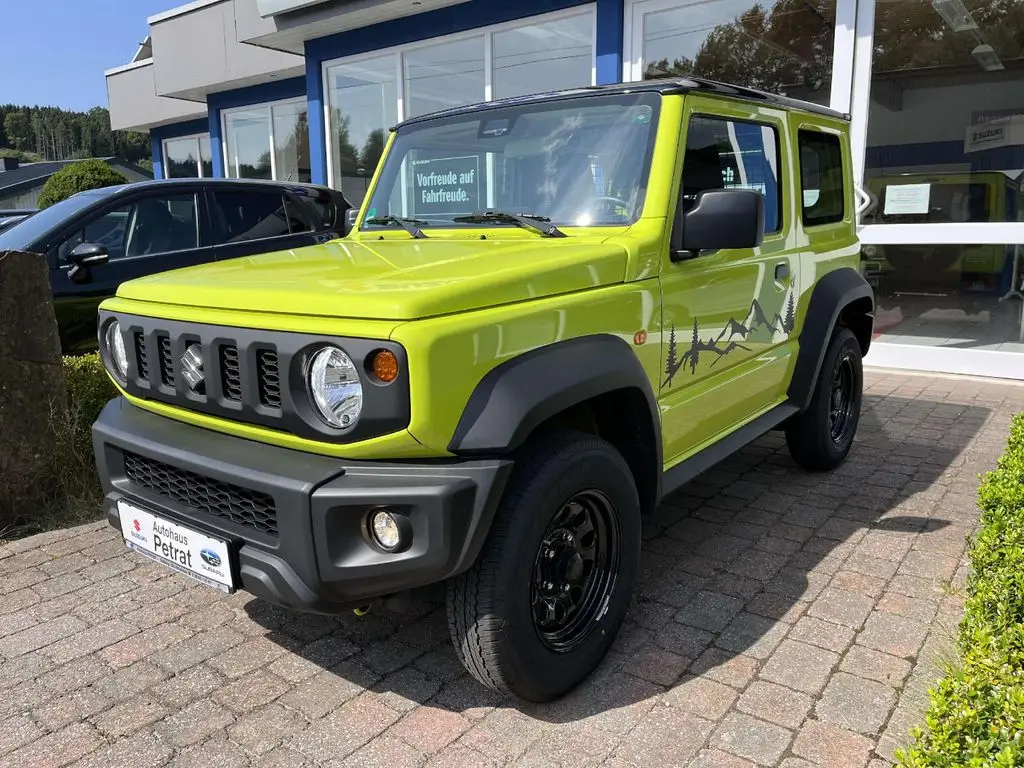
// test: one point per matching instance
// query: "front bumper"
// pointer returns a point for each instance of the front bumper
(315, 554)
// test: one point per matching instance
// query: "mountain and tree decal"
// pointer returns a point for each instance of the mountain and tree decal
(730, 338)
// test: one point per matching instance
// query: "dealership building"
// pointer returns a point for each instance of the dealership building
(307, 89)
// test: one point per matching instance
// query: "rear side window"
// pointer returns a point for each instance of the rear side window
(250, 215)
(731, 154)
(821, 178)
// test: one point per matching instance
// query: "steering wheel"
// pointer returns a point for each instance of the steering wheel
(601, 202)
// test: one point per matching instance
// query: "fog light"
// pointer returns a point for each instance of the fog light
(386, 529)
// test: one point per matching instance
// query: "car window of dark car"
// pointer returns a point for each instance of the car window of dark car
(39, 225)
(107, 229)
(301, 216)
(163, 224)
(251, 215)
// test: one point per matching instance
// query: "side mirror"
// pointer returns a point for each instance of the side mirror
(88, 255)
(84, 256)
(350, 219)
(720, 219)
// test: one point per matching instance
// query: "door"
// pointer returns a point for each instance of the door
(143, 235)
(254, 220)
(728, 314)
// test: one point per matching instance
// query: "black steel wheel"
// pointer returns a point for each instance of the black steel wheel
(843, 397)
(541, 606)
(575, 570)
(821, 437)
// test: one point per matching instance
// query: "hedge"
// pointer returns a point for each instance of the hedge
(78, 177)
(976, 713)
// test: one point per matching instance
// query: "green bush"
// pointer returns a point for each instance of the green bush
(976, 714)
(78, 177)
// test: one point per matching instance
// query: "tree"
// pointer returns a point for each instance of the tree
(671, 359)
(789, 322)
(344, 150)
(78, 177)
(372, 150)
(18, 129)
(57, 134)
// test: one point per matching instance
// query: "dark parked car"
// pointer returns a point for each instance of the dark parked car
(96, 240)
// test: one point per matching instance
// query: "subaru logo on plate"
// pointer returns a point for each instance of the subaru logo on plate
(210, 557)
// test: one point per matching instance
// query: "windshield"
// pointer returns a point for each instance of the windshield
(940, 202)
(578, 162)
(23, 234)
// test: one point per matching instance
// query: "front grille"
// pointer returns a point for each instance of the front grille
(140, 356)
(230, 502)
(166, 360)
(230, 376)
(269, 378)
(253, 376)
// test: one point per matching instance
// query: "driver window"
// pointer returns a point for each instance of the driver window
(163, 224)
(733, 154)
(107, 230)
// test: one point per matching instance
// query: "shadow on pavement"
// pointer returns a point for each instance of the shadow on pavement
(728, 564)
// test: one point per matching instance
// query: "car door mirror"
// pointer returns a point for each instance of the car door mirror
(82, 258)
(89, 255)
(720, 219)
(350, 219)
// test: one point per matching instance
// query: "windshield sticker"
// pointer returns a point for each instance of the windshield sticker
(447, 186)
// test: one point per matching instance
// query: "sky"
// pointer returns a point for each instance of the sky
(54, 52)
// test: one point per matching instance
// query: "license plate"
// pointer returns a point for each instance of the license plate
(187, 551)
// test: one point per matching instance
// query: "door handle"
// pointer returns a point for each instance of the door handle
(782, 272)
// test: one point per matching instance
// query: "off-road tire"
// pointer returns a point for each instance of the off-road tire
(809, 435)
(490, 614)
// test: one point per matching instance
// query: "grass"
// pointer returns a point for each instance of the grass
(74, 494)
(976, 712)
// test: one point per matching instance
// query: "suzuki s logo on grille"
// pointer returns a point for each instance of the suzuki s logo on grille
(192, 368)
(137, 525)
(210, 557)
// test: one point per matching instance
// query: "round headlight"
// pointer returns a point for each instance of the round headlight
(335, 387)
(117, 354)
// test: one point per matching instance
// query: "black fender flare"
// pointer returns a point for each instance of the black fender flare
(520, 394)
(833, 293)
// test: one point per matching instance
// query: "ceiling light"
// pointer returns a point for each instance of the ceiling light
(986, 55)
(955, 15)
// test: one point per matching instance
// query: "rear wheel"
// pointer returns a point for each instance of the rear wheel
(820, 438)
(541, 606)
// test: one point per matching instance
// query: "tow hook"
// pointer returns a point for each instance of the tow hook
(362, 611)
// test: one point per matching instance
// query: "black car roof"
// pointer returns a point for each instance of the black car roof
(212, 181)
(662, 86)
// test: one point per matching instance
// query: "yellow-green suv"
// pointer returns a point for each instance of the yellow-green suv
(552, 312)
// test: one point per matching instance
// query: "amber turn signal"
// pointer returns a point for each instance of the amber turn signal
(385, 366)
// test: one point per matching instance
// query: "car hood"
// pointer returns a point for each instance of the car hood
(393, 279)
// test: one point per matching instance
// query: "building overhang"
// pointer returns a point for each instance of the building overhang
(286, 25)
(135, 105)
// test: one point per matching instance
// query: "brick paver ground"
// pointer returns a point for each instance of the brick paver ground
(781, 619)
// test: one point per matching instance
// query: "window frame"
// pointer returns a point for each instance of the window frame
(844, 212)
(783, 222)
(399, 52)
(271, 144)
(196, 137)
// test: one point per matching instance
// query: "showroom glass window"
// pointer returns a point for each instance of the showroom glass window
(188, 157)
(944, 157)
(367, 95)
(783, 47)
(268, 141)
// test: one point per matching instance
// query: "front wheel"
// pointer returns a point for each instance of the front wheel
(541, 606)
(820, 438)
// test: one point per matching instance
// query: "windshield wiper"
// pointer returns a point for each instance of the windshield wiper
(412, 226)
(530, 221)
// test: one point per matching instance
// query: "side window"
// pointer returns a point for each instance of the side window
(251, 215)
(163, 224)
(821, 178)
(730, 154)
(107, 229)
(301, 217)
